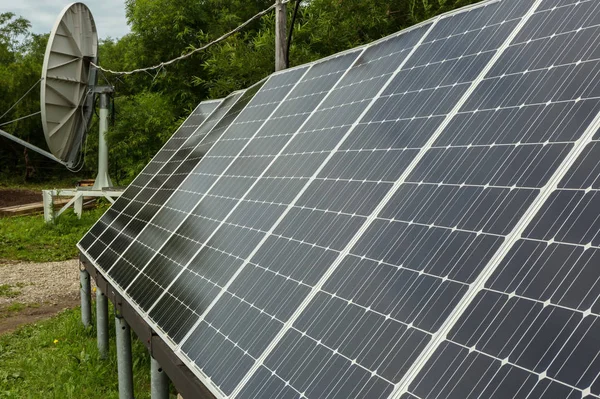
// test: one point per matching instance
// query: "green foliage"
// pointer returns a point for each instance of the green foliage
(28, 238)
(322, 28)
(12, 28)
(58, 358)
(153, 118)
(21, 56)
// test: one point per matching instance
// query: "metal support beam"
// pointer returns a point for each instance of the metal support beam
(159, 382)
(78, 206)
(186, 383)
(32, 147)
(102, 323)
(124, 363)
(78, 195)
(280, 35)
(66, 206)
(86, 303)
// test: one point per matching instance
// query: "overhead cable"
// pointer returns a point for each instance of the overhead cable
(289, 39)
(187, 55)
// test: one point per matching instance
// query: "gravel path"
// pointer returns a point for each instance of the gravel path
(40, 282)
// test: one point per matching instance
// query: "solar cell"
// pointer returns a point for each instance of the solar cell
(416, 218)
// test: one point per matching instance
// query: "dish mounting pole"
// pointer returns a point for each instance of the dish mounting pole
(103, 179)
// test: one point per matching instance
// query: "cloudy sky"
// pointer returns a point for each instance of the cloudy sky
(108, 14)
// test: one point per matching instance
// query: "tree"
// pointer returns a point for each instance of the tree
(21, 56)
(322, 28)
(152, 118)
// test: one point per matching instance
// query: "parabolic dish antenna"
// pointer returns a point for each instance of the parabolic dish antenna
(67, 98)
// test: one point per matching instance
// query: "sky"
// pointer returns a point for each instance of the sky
(108, 14)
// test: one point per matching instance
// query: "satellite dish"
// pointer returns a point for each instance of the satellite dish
(68, 92)
(67, 103)
(68, 80)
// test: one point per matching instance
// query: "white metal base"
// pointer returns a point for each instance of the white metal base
(103, 179)
(110, 194)
(102, 182)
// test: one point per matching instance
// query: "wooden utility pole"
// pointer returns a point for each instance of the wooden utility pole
(280, 35)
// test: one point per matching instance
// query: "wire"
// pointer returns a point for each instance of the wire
(20, 99)
(80, 163)
(112, 111)
(18, 119)
(187, 55)
(289, 40)
(82, 148)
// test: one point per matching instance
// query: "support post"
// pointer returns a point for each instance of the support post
(84, 292)
(124, 363)
(48, 206)
(280, 35)
(102, 323)
(78, 205)
(159, 382)
(102, 179)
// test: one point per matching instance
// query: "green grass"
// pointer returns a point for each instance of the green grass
(28, 238)
(32, 365)
(56, 358)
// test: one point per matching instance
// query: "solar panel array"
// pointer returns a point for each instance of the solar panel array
(416, 218)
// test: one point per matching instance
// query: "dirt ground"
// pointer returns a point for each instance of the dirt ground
(10, 197)
(30, 292)
(11, 320)
(35, 291)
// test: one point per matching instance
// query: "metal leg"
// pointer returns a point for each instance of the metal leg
(84, 292)
(78, 205)
(48, 206)
(159, 382)
(102, 323)
(124, 364)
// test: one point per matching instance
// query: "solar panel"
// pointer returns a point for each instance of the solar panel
(377, 307)
(529, 328)
(116, 219)
(414, 218)
(186, 136)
